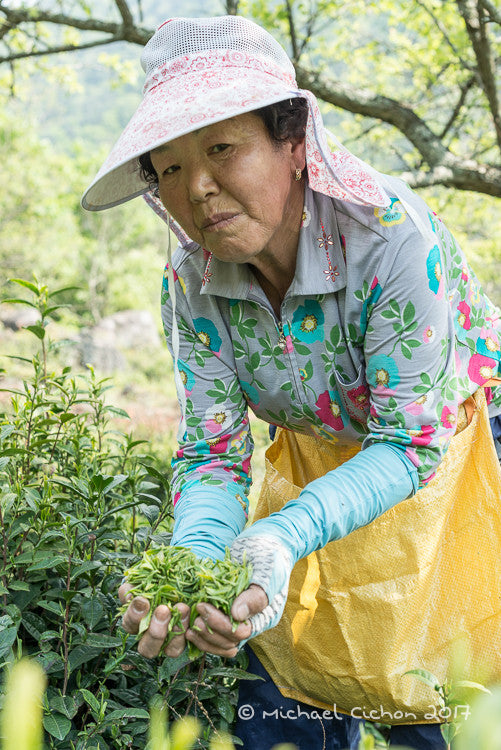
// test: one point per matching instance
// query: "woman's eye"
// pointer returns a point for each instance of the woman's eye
(170, 170)
(219, 147)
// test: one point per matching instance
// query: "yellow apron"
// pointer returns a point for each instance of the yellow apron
(397, 594)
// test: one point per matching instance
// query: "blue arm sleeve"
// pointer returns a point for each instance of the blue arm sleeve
(343, 500)
(207, 520)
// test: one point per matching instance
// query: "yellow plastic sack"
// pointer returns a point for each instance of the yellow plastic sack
(396, 594)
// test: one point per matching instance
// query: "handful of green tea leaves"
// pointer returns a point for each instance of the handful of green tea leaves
(175, 574)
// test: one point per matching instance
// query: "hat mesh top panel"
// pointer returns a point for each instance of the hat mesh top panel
(189, 36)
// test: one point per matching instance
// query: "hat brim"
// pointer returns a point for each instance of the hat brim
(164, 115)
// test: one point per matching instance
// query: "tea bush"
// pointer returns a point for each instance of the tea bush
(79, 503)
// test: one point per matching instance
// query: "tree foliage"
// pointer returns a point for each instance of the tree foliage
(421, 72)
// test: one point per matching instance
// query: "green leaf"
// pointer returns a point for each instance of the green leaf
(302, 349)
(468, 685)
(409, 313)
(424, 676)
(98, 640)
(92, 611)
(57, 725)
(406, 351)
(63, 289)
(80, 655)
(225, 709)
(116, 411)
(19, 586)
(37, 329)
(3, 590)
(64, 704)
(34, 625)
(7, 638)
(27, 285)
(47, 562)
(85, 567)
(395, 307)
(171, 665)
(448, 731)
(127, 713)
(90, 699)
(18, 301)
(50, 606)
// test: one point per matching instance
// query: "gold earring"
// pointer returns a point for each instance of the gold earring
(298, 175)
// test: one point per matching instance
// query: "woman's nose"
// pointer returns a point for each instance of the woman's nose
(201, 185)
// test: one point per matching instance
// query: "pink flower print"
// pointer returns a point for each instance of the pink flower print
(426, 481)
(246, 464)
(359, 396)
(463, 318)
(412, 456)
(464, 273)
(448, 418)
(176, 498)
(481, 368)
(422, 436)
(218, 444)
(488, 343)
(217, 418)
(429, 334)
(417, 406)
(329, 410)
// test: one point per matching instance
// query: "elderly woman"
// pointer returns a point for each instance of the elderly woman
(330, 300)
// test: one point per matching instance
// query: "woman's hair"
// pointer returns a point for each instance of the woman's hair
(283, 120)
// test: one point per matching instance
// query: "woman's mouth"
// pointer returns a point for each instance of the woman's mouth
(217, 222)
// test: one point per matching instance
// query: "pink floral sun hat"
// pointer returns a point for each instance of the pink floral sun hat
(203, 70)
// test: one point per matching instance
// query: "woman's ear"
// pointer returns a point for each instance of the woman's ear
(298, 152)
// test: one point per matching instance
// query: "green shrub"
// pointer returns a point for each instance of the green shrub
(79, 503)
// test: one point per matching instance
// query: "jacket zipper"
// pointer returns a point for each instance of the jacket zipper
(282, 341)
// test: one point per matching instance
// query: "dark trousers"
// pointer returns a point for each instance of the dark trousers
(266, 718)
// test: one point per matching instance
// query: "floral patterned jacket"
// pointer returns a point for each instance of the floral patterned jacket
(382, 335)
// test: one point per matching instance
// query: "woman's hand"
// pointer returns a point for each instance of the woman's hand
(223, 640)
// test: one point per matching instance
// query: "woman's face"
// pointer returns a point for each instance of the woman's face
(232, 189)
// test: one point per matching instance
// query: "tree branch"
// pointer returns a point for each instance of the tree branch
(480, 179)
(445, 168)
(493, 12)
(134, 34)
(232, 7)
(124, 11)
(292, 32)
(54, 50)
(465, 88)
(364, 102)
(475, 26)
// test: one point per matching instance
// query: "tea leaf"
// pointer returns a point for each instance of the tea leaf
(57, 725)
(424, 676)
(92, 611)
